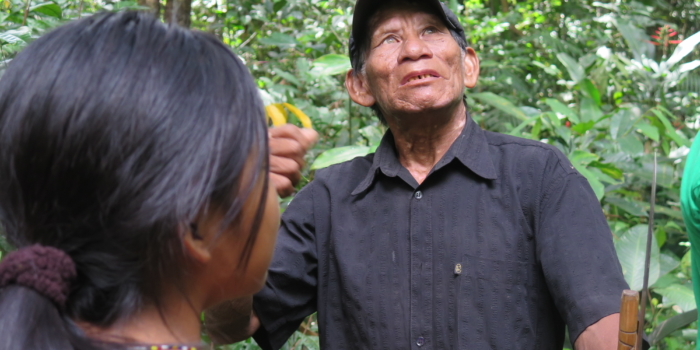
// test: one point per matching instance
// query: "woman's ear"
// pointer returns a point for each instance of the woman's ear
(471, 68)
(358, 89)
(196, 246)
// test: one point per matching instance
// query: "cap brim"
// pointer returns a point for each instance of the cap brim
(364, 9)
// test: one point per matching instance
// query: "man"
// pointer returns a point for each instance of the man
(448, 237)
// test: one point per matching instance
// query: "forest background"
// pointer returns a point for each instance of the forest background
(609, 83)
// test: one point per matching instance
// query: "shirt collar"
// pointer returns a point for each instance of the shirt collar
(470, 148)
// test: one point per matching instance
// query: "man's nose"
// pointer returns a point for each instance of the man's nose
(414, 48)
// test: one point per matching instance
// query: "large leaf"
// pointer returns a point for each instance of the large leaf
(339, 155)
(500, 103)
(631, 250)
(562, 109)
(47, 8)
(332, 64)
(684, 49)
(280, 40)
(672, 324)
(678, 294)
(633, 207)
(593, 180)
(575, 70)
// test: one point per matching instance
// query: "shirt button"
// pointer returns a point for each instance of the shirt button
(420, 341)
(418, 195)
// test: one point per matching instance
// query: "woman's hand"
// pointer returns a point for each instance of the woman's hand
(288, 145)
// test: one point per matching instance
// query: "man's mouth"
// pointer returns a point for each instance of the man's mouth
(417, 76)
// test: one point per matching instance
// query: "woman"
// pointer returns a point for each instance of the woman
(133, 181)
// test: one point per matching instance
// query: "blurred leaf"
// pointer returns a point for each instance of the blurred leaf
(684, 49)
(678, 294)
(500, 103)
(633, 207)
(575, 70)
(280, 40)
(562, 109)
(687, 67)
(582, 157)
(589, 111)
(591, 91)
(581, 128)
(332, 64)
(47, 8)
(648, 130)
(609, 169)
(339, 155)
(631, 251)
(672, 324)
(593, 180)
(667, 262)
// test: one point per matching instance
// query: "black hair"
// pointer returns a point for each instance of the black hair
(116, 132)
(364, 42)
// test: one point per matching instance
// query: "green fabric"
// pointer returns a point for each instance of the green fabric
(690, 205)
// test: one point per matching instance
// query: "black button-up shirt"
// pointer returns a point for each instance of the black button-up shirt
(501, 246)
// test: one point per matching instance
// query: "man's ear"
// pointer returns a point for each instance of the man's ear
(358, 89)
(196, 246)
(471, 68)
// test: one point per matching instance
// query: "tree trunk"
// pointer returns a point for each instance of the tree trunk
(153, 7)
(178, 11)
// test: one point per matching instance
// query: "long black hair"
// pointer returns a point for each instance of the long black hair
(116, 131)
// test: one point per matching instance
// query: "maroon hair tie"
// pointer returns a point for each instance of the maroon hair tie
(47, 270)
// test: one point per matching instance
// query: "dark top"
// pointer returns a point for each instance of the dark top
(501, 246)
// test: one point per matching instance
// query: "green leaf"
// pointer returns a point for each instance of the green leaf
(670, 130)
(684, 49)
(581, 128)
(633, 207)
(631, 145)
(591, 91)
(332, 64)
(608, 169)
(500, 103)
(562, 109)
(582, 157)
(593, 180)
(631, 251)
(648, 130)
(339, 155)
(279, 5)
(280, 40)
(575, 70)
(678, 294)
(673, 324)
(667, 262)
(287, 76)
(589, 111)
(47, 8)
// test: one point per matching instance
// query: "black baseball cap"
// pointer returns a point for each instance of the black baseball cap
(365, 9)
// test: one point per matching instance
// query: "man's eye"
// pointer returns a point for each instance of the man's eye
(389, 40)
(430, 30)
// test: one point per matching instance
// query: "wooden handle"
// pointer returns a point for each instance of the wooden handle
(629, 309)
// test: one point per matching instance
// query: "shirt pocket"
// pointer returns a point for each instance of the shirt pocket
(496, 304)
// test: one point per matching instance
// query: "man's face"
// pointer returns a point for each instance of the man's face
(413, 64)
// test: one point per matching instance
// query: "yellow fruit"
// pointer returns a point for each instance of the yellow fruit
(303, 118)
(275, 115)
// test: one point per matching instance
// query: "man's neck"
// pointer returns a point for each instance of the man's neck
(422, 140)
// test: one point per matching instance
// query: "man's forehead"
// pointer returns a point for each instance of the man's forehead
(384, 16)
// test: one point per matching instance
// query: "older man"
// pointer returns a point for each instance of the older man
(448, 237)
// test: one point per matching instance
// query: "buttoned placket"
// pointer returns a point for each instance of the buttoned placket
(421, 271)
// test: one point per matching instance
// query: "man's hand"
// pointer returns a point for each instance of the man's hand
(601, 335)
(231, 321)
(288, 145)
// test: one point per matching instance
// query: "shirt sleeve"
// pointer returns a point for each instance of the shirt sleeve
(289, 294)
(577, 255)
